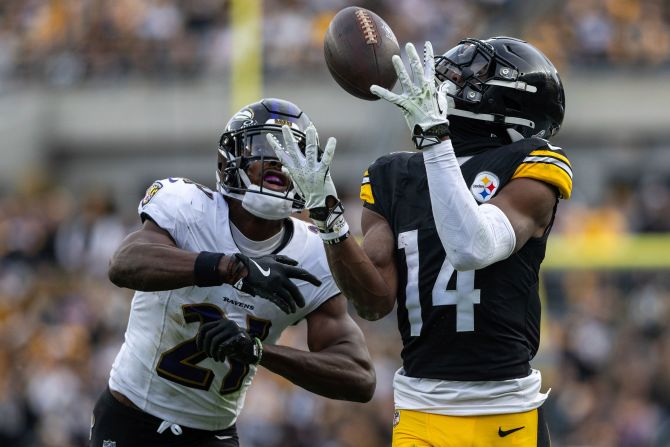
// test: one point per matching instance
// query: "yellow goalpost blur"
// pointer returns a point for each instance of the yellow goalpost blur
(603, 253)
(246, 71)
(608, 252)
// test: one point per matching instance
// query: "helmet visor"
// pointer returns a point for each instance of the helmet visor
(470, 59)
(252, 142)
(256, 144)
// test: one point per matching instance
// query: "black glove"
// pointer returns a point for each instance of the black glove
(224, 338)
(270, 276)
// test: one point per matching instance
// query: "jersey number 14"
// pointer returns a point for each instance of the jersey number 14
(464, 297)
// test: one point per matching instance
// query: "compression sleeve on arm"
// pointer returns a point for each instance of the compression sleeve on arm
(473, 236)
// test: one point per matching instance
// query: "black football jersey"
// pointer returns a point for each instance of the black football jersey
(471, 325)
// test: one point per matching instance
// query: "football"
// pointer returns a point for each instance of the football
(358, 47)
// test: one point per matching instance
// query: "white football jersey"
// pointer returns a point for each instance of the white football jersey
(159, 367)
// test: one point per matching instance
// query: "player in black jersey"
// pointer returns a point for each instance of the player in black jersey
(455, 234)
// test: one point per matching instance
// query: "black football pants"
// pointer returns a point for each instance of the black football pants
(117, 425)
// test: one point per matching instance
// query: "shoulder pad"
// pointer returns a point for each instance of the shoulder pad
(173, 199)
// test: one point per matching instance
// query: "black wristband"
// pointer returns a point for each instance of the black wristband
(430, 137)
(440, 131)
(206, 269)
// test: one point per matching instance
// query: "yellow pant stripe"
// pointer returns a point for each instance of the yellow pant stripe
(417, 429)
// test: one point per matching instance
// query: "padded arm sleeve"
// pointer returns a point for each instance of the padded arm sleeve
(473, 236)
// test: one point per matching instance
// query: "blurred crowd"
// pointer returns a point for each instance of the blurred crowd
(66, 42)
(605, 348)
(606, 342)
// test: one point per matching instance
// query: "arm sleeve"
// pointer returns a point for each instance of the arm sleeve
(473, 236)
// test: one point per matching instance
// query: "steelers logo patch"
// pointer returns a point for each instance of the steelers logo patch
(151, 191)
(485, 186)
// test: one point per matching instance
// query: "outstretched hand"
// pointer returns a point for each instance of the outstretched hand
(423, 104)
(310, 175)
(270, 277)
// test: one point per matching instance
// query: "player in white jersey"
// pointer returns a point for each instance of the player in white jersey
(219, 275)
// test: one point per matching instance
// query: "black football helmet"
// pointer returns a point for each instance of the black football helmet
(244, 141)
(505, 81)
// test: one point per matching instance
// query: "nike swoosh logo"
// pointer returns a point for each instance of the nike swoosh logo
(502, 433)
(223, 437)
(264, 272)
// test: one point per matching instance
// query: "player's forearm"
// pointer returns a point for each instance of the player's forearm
(360, 280)
(333, 373)
(473, 236)
(150, 266)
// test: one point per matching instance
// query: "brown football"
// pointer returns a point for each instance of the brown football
(358, 47)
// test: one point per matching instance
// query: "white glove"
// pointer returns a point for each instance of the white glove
(311, 178)
(423, 104)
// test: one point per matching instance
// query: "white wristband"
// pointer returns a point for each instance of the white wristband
(336, 231)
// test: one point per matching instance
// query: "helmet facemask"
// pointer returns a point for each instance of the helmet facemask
(486, 86)
(467, 66)
(238, 151)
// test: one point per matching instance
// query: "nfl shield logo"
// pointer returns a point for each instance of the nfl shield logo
(108, 443)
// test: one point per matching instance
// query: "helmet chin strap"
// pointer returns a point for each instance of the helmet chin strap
(451, 89)
(267, 204)
(514, 135)
(492, 118)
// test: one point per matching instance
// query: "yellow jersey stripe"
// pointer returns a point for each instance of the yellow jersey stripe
(547, 153)
(549, 160)
(548, 173)
(366, 193)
